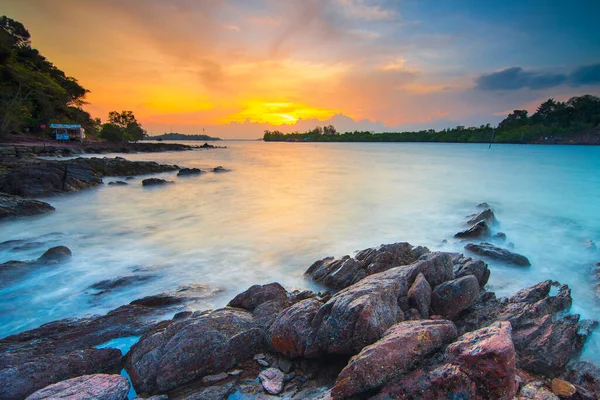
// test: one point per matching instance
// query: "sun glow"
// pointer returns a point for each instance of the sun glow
(278, 113)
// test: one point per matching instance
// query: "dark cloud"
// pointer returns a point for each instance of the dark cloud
(517, 78)
(588, 75)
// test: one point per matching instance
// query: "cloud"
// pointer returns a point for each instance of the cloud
(588, 75)
(232, 28)
(516, 78)
(365, 10)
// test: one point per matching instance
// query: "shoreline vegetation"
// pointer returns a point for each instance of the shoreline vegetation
(182, 136)
(576, 121)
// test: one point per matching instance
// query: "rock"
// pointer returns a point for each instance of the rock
(121, 281)
(215, 392)
(438, 267)
(189, 171)
(499, 237)
(443, 383)
(183, 294)
(487, 356)
(23, 373)
(154, 182)
(258, 294)
(181, 351)
(284, 365)
(537, 391)
(220, 169)
(98, 386)
(128, 178)
(341, 273)
(419, 296)
(401, 348)
(483, 205)
(266, 313)
(272, 380)
(360, 314)
(585, 374)
(58, 254)
(211, 379)
(486, 215)
(15, 206)
(450, 298)
(563, 388)
(118, 183)
(477, 231)
(289, 333)
(477, 268)
(497, 253)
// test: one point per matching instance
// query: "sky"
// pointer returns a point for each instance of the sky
(233, 68)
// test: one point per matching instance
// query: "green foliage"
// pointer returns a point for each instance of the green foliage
(32, 90)
(182, 136)
(122, 127)
(552, 119)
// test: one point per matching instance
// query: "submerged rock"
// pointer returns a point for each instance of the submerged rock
(15, 206)
(479, 230)
(401, 348)
(189, 171)
(220, 169)
(155, 182)
(120, 281)
(88, 387)
(118, 183)
(55, 255)
(497, 253)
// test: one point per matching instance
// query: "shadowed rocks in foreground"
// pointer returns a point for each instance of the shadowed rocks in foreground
(15, 206)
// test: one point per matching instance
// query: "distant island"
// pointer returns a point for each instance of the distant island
(576, 121)
(181, 136)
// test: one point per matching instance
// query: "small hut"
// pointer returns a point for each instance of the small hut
(68, 132)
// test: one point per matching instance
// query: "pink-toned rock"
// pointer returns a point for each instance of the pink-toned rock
(452, 297)
(487, 356)
(87, 387)
(402, 347)
(537, 391)
(272, 380)
(290, 331)
(258, 294)
(419, 296)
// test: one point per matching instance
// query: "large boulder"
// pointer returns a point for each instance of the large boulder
(23, 373)
(477, 268)
(486, 215)
(498, 253)
(341, 273)
(402, 347)
(419, 296)
(257, 295)
(88, 387)
(478, 230)
(360, 314)
(55, 255)
(15, 206)
(450, 298)
(184, 350)
(487, 356)
(289, 333)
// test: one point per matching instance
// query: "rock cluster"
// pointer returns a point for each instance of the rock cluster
(15, 206)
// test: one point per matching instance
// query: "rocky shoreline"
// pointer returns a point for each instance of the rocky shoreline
(421, 325)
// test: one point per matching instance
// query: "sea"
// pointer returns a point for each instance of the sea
(282, 206)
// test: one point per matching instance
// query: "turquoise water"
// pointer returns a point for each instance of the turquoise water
(285, 205)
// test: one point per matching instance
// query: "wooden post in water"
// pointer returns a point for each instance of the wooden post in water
(492, 138)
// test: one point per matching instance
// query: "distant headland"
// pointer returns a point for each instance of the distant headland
(180, 136)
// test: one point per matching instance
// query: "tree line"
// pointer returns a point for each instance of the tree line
(552, 119)
(35, 93)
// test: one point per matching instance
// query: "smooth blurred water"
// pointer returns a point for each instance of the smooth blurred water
(285, 205)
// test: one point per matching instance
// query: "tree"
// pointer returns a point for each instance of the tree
(514, 119)
(122, 126)
(329, 130)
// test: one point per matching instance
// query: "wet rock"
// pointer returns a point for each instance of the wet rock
(486, 215)
(483, 205)
(477, 231)
(258, 294)
(499, 237)
(419, 296)
(121, 281)
(402, 347)
(537, 391)
(563, 388)
(360, 314)
(58, 254)
(204, 344)
(211, 379)
(497, 253)
(487, 356)
(585, 374)
(220, 169)
(289, 333)
(118, 183)
(452, 297)
(477, 268)
(23, 373)
(189, 171)
(183, 294)
(98, 386)
(15, 206)
(272, 380)
(128, 178)
(155, 182)
(341, 273)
